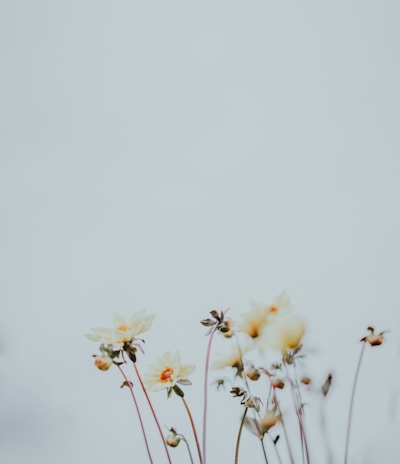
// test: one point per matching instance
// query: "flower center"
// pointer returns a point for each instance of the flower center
(124, 328)
(166, 374)
(273, 309)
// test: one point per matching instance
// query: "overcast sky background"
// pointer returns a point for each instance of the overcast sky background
(185, 156)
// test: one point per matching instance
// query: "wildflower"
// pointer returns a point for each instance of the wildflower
(167, 372)
(373, 339)
(103, 362)
(231, 359)
(123, 331)
(262, 314)
(269, 419)
(284, 333)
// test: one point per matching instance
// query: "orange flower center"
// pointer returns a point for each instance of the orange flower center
(124, 328)
(166, 374)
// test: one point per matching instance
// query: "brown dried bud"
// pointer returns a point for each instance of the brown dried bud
(305, 380)
(277, 383)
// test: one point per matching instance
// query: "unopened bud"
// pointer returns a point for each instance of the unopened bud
(103, 362)
(252, 373)
(277, 383)
(173, 439)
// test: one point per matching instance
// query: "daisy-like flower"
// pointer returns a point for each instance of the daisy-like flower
(284, 333)
(260, 315)
(167, 372)
(234, 358)
(123, 330)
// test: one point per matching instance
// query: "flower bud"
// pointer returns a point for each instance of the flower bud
(252, 373)
(277, 383)
(173, 439)
(253, 402)
(103, 362)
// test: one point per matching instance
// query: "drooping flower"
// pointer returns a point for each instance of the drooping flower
(123, 330)
(167, 372)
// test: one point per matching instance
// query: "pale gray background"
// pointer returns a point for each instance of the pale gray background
(184, 156)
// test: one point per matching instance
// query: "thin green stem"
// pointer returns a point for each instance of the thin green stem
(206, 391)
(152, 411)
(128, 384)
(239, 435)
(352, 403)
(193, 428)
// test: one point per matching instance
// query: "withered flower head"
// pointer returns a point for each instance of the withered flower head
(173, 439)
(219, 322)
(373, 339)
(253, 402)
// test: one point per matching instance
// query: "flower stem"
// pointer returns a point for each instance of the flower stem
(239, 435)
(193, 428)
(128, 384)
(206, 392)
(188, 448)
(264, 452)
(352, 404)
(152, 411)
(284, 429)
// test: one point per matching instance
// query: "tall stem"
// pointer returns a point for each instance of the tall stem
(193, 428)
(206, 392)
(152, 411)
(264, 452)
(284, 429)
(128, 384)
(352, 404)
(239, 435)
(188, 448)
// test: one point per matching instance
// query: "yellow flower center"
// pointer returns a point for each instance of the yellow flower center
(166, 374)
(124, 328)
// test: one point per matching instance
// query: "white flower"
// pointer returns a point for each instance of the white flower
(285, 332)
(123, 331)
(261, 314)
(167, 372)
(233, 358)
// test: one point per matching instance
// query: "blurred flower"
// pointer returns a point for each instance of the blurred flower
(123, 331)
(234, 358)
(167, 372)
(103, 362)
(269, 419)
(284, 333)
(252, 372)
(261, 314)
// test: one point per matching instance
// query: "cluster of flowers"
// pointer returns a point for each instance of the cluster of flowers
(273, 327)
